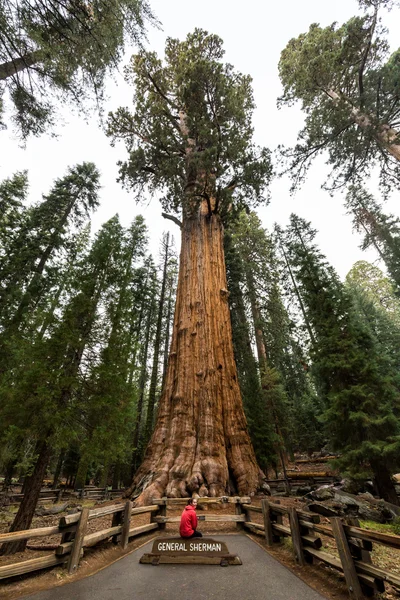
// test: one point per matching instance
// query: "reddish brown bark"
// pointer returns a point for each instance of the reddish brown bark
(200, 443)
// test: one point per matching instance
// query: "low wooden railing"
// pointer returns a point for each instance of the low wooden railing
(353, 543)
(74, 538)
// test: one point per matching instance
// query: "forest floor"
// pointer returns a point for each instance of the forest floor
(323, 579)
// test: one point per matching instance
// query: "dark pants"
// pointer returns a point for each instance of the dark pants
(194, 534)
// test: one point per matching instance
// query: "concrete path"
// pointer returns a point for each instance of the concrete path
(260, 577)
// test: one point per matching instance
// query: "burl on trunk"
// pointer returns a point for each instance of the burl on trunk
(200, 442)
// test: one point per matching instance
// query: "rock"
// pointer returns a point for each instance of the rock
(323, 509)
(323, 493)
(54, 510)
(265, 488)
(303, 490)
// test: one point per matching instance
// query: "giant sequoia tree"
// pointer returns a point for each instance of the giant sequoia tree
(348, 84)
(189, 136)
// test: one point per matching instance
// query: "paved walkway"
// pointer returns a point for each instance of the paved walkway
(260, 577)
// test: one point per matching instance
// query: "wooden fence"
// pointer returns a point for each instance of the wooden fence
(353, 543)
(49, 495)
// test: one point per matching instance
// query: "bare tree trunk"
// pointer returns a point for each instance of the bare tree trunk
(27, 507)
(200, 441)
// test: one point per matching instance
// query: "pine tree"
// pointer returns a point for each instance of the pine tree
(167, 245)
(348, 85)
(358, 385)
(380, 231)
(45, 403)
(52, 51)
(258, 419)
(190, 135)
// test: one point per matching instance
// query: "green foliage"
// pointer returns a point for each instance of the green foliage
(258, 419)
(380, 231)
(52, 51)
(358, 383)
(189, 134)
(348, 85)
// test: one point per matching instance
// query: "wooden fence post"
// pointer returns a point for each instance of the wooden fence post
(360, 550)
(346, 559)
(239, 511)
(296, 536)
(126, 524)
(266, 511)
(78, 541)
(163, 512)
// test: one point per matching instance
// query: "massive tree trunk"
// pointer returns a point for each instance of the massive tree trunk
(200, 443)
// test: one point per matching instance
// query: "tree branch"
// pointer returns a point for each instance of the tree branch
(173, 219)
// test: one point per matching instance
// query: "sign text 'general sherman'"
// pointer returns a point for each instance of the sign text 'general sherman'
(189, 547)
(203, 551)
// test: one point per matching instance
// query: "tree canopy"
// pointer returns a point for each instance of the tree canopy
(58, 50)
(190, 131)
(348, 85)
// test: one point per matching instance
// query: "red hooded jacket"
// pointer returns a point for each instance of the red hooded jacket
(188, 521)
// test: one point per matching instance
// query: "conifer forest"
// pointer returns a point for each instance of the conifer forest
(195, 341)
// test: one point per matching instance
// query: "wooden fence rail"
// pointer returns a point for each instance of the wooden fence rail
(72, 529)
(353, 543)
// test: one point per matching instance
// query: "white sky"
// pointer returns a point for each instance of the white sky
(254, 33)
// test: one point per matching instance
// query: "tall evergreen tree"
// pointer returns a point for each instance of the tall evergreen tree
(380, 231)
(259, 421)
(190, 135)
(167, 250)
(359, 387)
(348, 84)
(45, 402)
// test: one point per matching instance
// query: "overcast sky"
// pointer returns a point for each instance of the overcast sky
(254, 33)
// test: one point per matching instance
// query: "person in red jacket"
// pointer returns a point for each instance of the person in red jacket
(188, 525)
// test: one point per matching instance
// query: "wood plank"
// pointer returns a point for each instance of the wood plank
(296, 537)
(393, 541)
(266, 512)
(142, 529)
(278, 509)
(94, 513)
(350, 574)
(126, 525)
(33, 564)
(325, 557)
(214, 518)
(311, 540)
(372, 579)
(93, 538)
(78, 541)
(281, 530)
(256, 509)
(377, 572)
(29, 533)
(254, 526)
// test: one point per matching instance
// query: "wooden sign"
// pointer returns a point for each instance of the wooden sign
(193, 551)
